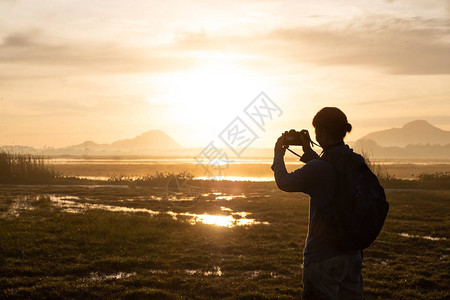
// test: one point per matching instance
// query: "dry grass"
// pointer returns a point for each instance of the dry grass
(47, 253)
(25, 168)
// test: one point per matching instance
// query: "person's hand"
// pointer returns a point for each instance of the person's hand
(306, 141)
(280, 149)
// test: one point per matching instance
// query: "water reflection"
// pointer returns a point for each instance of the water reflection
(67, 204)
(121, 275)
(216, 271)
(260, 273)
(72, 204)
(232, 220)
(230, 197)
(76, 207)
(426, 237)
(99, 178)
(223, 221)
(217, 178)
(236, 178)
(20, 204)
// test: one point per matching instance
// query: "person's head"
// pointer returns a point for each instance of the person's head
(331, 126)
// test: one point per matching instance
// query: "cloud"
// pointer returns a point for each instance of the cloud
(398, 51)
(394, 45)
(398, 46)
(30, 49)
(23, 39)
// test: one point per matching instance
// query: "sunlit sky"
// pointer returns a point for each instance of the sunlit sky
(72, 71)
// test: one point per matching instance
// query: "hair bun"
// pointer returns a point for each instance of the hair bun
(348, 127)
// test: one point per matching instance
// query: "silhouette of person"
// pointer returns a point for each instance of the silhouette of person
(328, 272)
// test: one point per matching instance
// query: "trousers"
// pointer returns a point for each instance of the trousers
(338, 277)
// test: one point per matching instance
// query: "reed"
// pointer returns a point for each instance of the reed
(18, 168)
(157, 179)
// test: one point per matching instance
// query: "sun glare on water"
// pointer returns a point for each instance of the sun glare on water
(223, 221)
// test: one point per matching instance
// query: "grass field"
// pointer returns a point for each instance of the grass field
(110, 242)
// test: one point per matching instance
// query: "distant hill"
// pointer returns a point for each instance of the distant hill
(153, 142)
(412, 133)
(153, 139)
(415, 140)
(410, 152)
(147, 142)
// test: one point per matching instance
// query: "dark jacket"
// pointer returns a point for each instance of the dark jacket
(317, 178)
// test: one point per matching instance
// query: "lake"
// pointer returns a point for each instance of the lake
(253, 169)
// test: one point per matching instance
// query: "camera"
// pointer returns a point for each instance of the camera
(296, 138)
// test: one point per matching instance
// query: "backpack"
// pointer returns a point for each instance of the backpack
(359, 207)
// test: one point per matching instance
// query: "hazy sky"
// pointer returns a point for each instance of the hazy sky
(72, 71)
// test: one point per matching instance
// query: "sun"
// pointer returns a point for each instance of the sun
(211, 91)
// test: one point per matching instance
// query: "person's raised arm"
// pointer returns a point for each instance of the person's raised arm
(297, 181)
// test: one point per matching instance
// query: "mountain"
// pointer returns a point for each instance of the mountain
(88, 145)
(153, 139)
(153, 142)
(412, 133)
(415, 140)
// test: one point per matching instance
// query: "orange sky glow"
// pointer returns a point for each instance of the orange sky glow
(109, 70)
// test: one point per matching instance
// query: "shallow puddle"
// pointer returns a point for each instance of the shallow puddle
(76, 207)
(230, 197)
(19, 205)
(69, 204)
(426, 237)
(259, 273)
(232, 220)
(216, 271)
(99, 178)
(217, 220)
(121, 275)
(236, 178)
